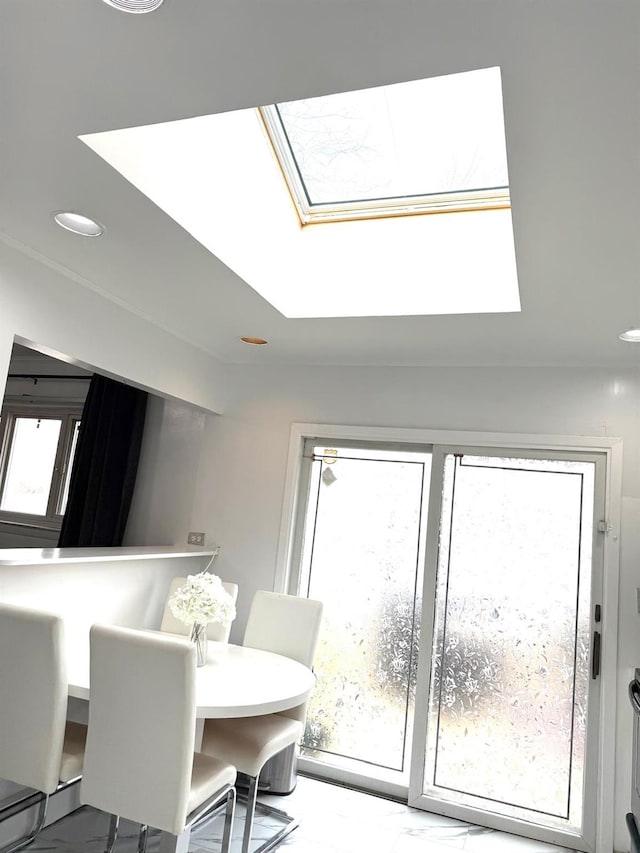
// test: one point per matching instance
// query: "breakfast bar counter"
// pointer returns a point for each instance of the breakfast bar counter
(49, 556)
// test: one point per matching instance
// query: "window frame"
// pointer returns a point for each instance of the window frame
(69, 416)
(309, 213)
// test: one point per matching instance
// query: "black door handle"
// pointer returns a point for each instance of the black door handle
(595, 655)
(634, 696)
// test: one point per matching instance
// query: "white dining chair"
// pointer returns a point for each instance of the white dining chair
(289, 626)
(139, 761)
(38, 747)
(215, 631)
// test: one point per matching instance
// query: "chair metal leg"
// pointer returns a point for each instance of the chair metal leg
(37, 826)
(142, 838)
(252, 794)
(113, 833)
(228, 820)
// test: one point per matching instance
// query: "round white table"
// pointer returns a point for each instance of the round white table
(236, 681)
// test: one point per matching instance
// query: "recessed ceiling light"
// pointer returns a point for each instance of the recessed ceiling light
(78, 224)
(135, 6)
(632, 335)
(257, 341)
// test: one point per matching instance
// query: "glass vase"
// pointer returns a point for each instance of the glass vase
(199, 637)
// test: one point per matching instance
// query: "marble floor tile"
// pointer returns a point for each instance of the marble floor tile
(407, 818)
(295, 843)
(407, 843)
(484, 840)
(349, 834)
(453, 838)
(331, 819)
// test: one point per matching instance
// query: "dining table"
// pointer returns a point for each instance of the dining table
(235, 681)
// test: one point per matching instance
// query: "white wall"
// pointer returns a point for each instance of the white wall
(40, 305)
(242, 472)
(162, 503)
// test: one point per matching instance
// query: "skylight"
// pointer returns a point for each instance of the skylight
(420, 147)
(202, 171)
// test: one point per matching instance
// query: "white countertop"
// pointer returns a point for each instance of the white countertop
(42, 556)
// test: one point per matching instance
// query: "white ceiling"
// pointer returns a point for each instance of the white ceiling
(570, 72)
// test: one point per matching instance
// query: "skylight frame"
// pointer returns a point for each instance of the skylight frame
(494, 198)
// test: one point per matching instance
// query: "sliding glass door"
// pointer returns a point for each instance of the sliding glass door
(459, 657)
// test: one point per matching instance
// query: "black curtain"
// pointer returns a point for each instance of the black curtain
(105, 465)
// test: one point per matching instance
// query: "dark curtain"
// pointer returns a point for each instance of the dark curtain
(105, 465)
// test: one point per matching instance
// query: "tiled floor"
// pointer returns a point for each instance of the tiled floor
(332, 820)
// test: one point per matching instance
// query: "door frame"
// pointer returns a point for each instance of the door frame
(610, 447)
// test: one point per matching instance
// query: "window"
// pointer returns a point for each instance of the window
(420, 147)
(38, 447)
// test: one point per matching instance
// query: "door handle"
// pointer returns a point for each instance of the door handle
(595, 655)
(634, 696)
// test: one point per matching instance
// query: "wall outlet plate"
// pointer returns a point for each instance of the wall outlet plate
(195, 538)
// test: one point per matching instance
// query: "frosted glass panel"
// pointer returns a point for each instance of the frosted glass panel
(31, 463)
(361, 558)
(510, 672)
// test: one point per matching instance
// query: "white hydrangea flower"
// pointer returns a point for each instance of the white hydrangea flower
(202, 599)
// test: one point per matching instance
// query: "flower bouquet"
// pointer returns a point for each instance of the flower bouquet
(202, 599)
